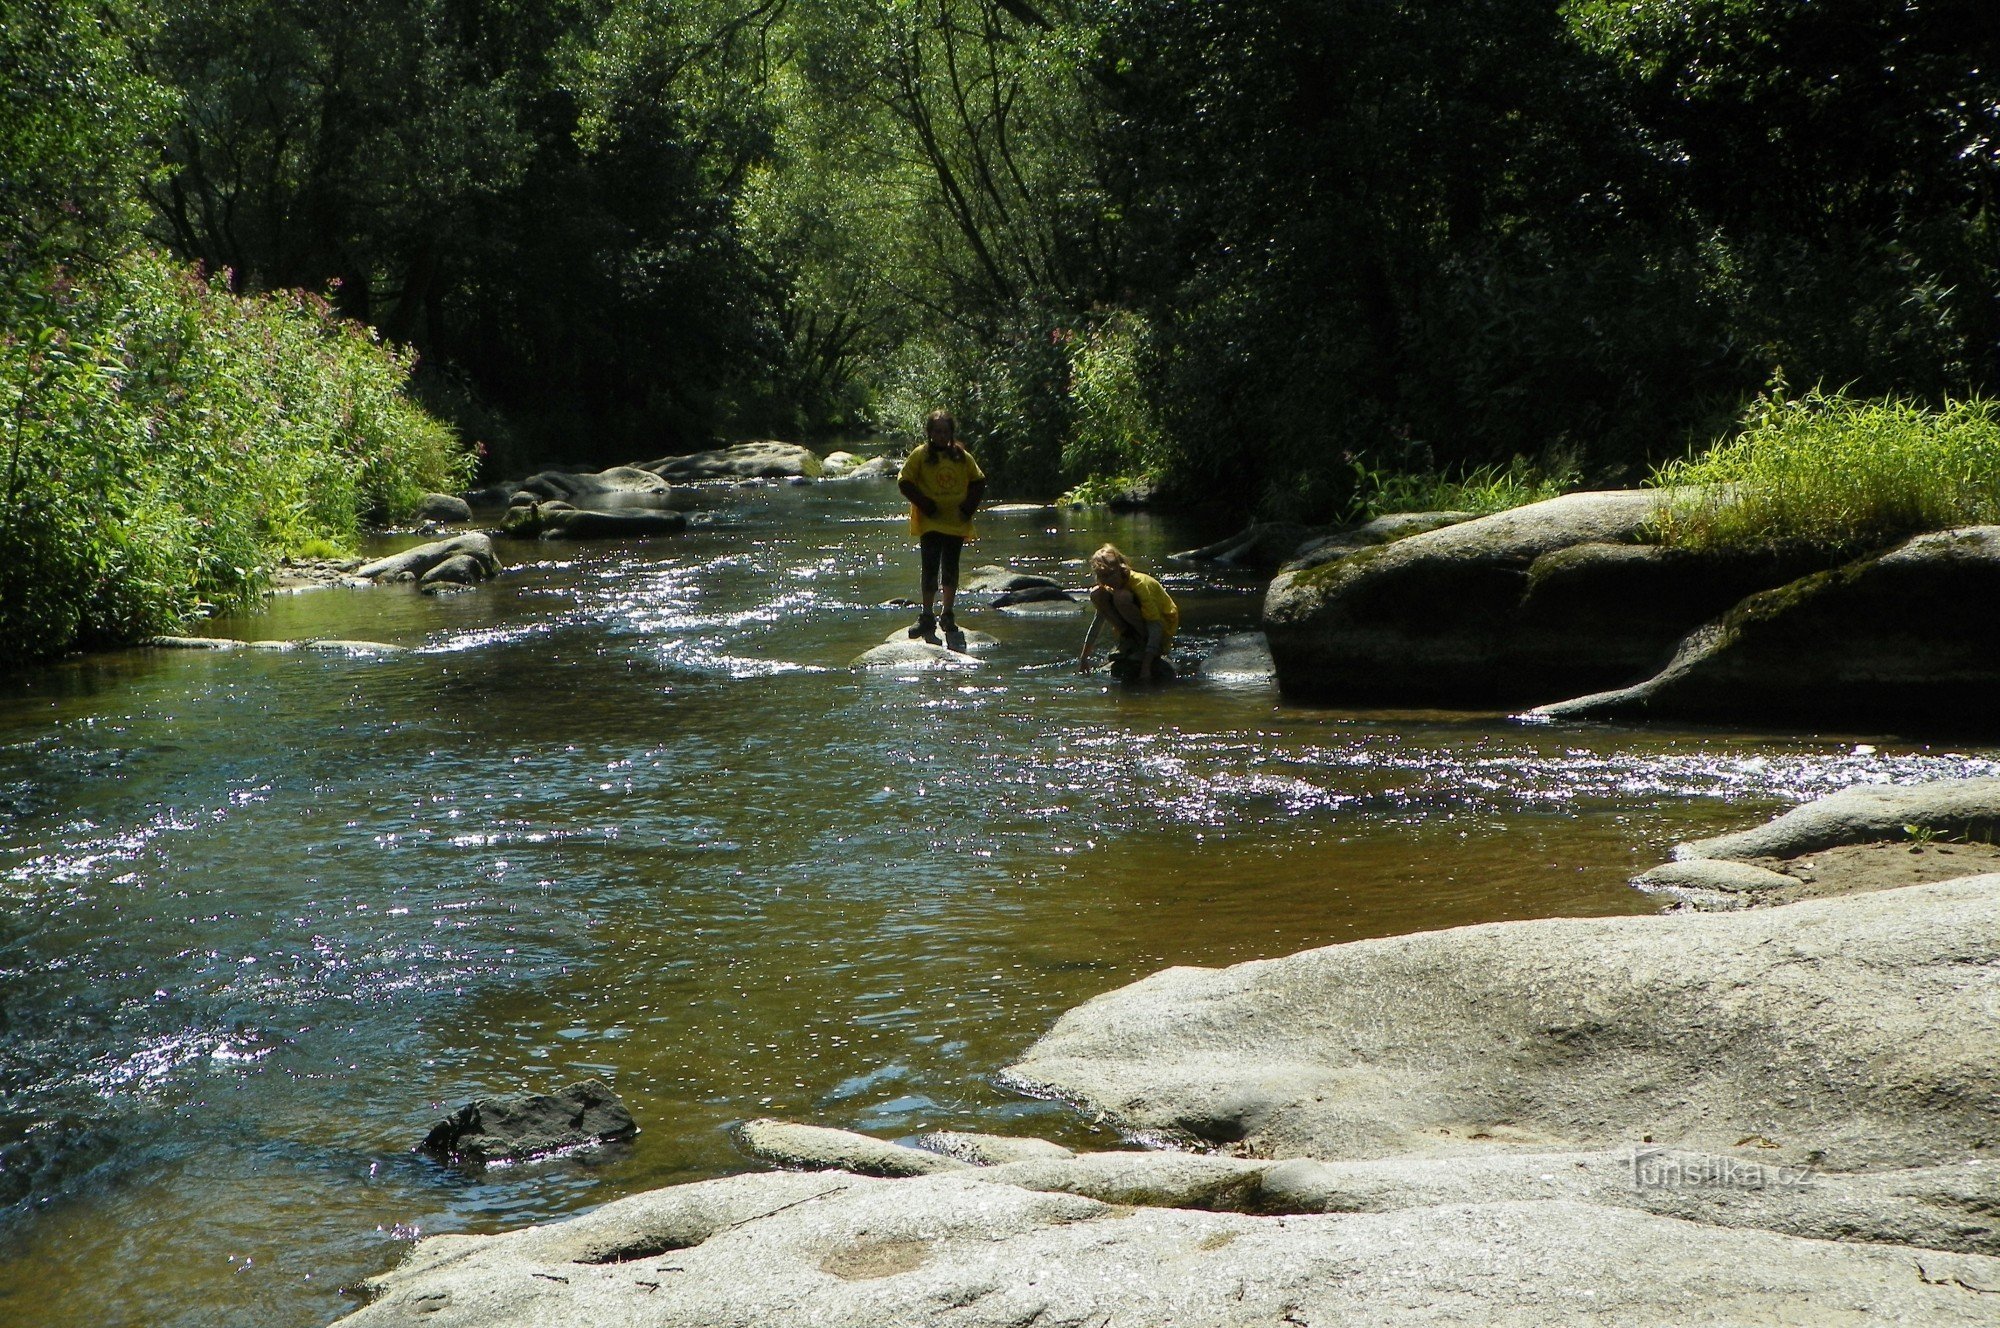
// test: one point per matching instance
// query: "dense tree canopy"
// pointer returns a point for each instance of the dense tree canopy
(1261, 249)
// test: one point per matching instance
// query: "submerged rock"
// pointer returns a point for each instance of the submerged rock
(900, 654)
(519, 1126)
(1240, 657)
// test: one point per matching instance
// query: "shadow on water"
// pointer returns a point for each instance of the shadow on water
(628, 812)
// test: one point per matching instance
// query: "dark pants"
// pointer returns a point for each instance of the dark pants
(940, 560)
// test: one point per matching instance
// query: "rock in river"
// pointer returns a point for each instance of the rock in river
(526, 1125)
(743, 461)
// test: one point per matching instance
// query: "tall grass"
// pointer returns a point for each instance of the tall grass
(1480, 490)
(162, 441)
(1832, 472)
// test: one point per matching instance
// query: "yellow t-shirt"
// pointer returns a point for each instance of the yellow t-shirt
(945, 480)
(1156, 605)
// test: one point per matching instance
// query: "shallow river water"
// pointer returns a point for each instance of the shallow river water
(627, 812)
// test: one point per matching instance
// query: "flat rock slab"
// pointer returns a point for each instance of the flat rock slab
(836, 1251)
(1865, 813)
(911, 657)
(817, 1148)
(1851, 1033)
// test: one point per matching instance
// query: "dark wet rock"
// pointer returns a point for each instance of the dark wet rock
(816, 1148)
(963, 1250)
(1843, 1033)
(753, 460)
(1008, 588)
(519, 1126)
(1523, 607)
(560, 520)
(1887, 640)
(443, 507)
(415, 564)
(460, 569)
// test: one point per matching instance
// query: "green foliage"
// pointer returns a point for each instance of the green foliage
(163, 440)
(1480, 490)
(1837, 473)
(1099, 490)
(74, 116)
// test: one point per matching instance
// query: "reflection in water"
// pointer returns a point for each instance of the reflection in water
(627, 812)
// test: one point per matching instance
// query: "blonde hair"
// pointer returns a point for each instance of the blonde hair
(1107, 558)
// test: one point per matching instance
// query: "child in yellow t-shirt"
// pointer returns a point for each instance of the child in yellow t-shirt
(944, 485)
(1141, 613)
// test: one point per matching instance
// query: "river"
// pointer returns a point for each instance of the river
(626, 812)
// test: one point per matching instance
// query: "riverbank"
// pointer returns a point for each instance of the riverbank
(1783, 1113)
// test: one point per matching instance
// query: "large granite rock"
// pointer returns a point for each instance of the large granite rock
(1849, 1034)
(1523, 607)
(1896, 639)
(518, 1126)
(839, 1251)
(461, 558)
(743, 461)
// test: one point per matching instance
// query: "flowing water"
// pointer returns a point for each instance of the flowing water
(627, 813)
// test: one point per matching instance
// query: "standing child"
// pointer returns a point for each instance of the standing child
(944, 485)
(1141, 613)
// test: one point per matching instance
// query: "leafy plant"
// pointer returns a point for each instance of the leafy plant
(1827, 471)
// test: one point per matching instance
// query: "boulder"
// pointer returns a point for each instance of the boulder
(1848, 1034)
(835, 464)
(1865, 813)
(875, 468)
(519, 1126)
(460, 569)
(443, 507)
(415, 564)
(958, 1250)
(993, 579)
(1522, 607)
(615, 489)
(971, 642)
(743, 461)
(1899, 639)
(560, 520)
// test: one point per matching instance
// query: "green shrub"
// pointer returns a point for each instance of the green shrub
(1480, 490)
(1836, 473)
(164, 440)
